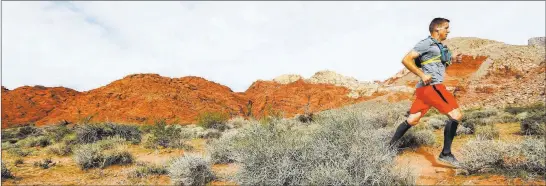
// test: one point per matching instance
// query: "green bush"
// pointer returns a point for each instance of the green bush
(165, 136)
(33, 141)
(214, 120)
(9, 145)
(57, 132)
(534, 124)
(190, 170)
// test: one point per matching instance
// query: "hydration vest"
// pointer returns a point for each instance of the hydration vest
(444, 57)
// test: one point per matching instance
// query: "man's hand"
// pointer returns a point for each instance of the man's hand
(457, 58)
(426, 79)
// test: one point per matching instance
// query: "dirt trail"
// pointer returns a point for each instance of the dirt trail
(430, 171)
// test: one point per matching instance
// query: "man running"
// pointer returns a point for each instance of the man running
(429, 90)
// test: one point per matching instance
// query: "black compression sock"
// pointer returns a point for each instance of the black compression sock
(400, 131)
(450, 131)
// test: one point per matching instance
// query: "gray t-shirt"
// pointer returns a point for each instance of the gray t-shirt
(427, 50)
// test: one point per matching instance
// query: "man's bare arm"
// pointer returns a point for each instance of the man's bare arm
(409, 63)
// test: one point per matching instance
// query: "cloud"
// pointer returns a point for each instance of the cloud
(85, 45)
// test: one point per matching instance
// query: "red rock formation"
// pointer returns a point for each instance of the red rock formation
(144, 98)
(292, 98)
(28, 104)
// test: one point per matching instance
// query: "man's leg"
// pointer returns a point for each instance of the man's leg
(412, 120)
(450, 130)
(445, 102)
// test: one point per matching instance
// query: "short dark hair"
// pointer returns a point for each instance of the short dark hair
(435, 22)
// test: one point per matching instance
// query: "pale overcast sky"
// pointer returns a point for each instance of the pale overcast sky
(85, 45)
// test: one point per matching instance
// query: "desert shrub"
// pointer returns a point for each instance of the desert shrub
(483, 154)
(237, 122)
(478, 114)
(415, 139)
(145, 128)
(60, 149)
(70, 139)
(502, 117)
(45, 163)
(463, 130)
(88, 156)
(56, 133)
(532, 149)
(20, 152)
(127, 132)
(214, 120)
(436, 123)
(210, 133)
(9, 145)
(487, 132)
(536, 107)
(42, 141)
(534, 124)
(492, 155)
(145, 170)
(110, 142)
(472, 123)
(377, 113)
(340, 148)
(306, 118)
(189, 132)
(18, 161)
(221, 150)
(99, 155)
(9, 134)
(6, 173)
(191, 170)
(117, 156)
(165, 136)
(90, 133)
(28, 130)
(33, 141)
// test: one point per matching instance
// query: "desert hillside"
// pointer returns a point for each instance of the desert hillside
(27, 104)
(492, 74)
